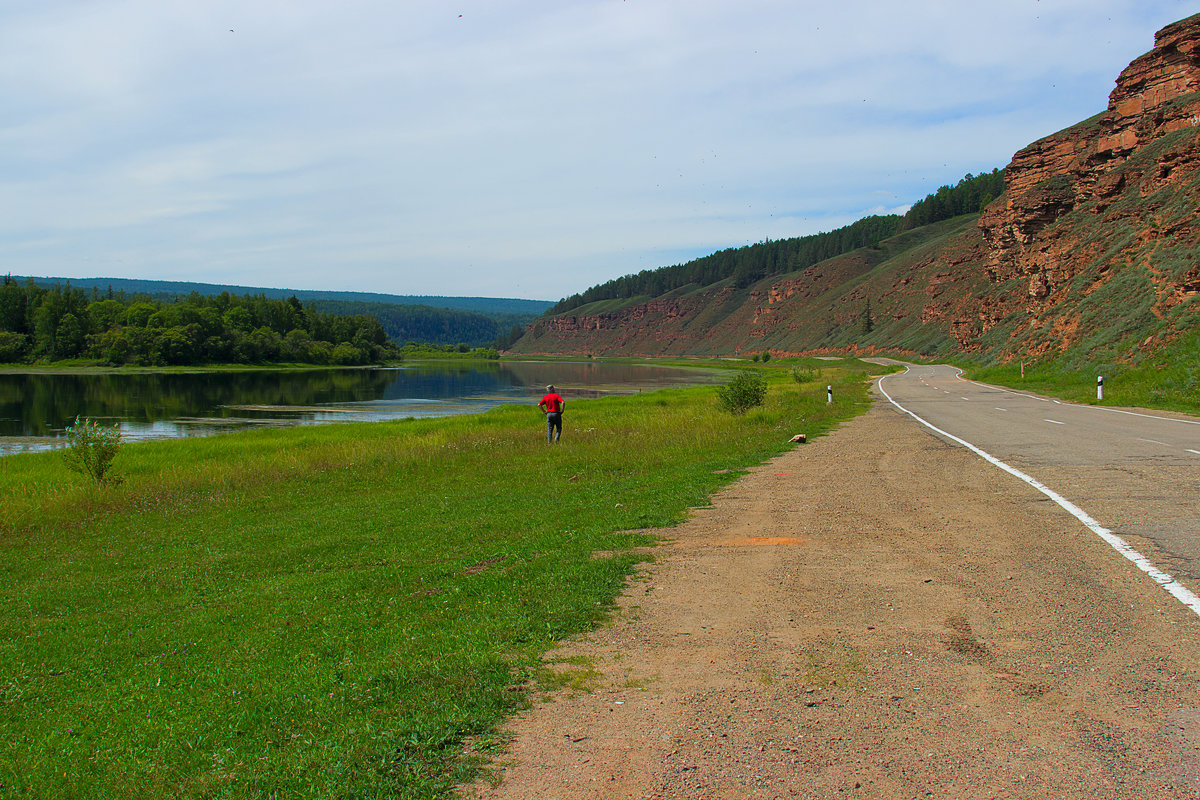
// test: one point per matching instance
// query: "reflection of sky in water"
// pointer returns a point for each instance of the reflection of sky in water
(163, 406)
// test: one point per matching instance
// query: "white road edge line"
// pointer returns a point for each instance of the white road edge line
(1173, 587)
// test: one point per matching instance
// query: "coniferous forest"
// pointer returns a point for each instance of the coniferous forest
(746, 265)
(61, 323)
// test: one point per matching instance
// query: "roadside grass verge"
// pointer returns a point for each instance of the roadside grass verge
(1168, 379)
(332, 611)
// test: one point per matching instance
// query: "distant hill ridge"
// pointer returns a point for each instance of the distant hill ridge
(1091, 255)
(474, 321)
(483, 305)
(744, 266)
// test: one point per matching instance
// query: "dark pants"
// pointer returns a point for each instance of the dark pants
(553, 426)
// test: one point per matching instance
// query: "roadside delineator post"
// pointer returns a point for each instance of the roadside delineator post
(829, 392)
(1099, 387)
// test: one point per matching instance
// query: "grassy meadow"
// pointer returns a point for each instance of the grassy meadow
(334, 611)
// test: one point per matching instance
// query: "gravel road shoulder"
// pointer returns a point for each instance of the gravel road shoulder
(874, 614)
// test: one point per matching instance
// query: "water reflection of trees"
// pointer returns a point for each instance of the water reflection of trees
(36, 405)
(40, 404)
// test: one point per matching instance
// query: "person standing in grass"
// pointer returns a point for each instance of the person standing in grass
(552, 406)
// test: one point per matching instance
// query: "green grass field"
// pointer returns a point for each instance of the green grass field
(333, 611)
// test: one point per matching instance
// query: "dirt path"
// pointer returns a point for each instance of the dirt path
(876, 614)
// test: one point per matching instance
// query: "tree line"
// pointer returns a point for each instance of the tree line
(429, 325)
(743, 266)
(60, 322)
(402, 322)
(489, 306)
(970, 195)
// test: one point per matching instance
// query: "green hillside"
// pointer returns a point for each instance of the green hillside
(482, 305)
(744, 266)
(475, 321)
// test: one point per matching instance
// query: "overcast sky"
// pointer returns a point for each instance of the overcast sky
(511, 148)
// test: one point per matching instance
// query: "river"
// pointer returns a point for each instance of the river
(36, 407)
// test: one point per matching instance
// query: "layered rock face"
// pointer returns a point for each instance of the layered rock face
(1091, 164)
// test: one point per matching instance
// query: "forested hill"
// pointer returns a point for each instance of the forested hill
(474, 321)
(499, 306)
(743, 266)
(426, 324)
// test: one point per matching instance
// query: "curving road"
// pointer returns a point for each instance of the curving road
(1136, 473)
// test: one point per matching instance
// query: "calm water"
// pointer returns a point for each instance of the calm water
(35, 409)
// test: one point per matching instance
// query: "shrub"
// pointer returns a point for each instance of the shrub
(13, 347)
(766, 356)
(92, 448)
(747, 390)
(802, 375)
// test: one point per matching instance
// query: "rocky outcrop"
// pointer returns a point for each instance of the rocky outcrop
(1090, 165)
(1153, 94)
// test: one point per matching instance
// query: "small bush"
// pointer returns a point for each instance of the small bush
(747, 390)
(802, 375)
(766, 356)
(92, 448)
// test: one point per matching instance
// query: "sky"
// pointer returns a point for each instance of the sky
(510, 148)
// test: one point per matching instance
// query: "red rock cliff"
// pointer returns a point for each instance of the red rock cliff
(1089, 165)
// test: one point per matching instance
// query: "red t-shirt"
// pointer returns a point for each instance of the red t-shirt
(553, 403)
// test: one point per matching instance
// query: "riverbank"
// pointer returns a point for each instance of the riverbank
(332, 611)
(36, 408)
(71, 368)
(409, 355)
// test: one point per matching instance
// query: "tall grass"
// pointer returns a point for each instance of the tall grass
(332, 611)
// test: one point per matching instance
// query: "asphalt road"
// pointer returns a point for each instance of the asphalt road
(1136, 472)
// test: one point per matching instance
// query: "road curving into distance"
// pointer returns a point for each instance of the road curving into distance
(1131, 476)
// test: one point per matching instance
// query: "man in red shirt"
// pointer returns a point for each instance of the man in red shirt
(552, 405)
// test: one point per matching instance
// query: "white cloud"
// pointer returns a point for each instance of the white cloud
(521, 148)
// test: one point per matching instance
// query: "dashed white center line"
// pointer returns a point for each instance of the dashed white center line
(966, 398)
(998, 408)
(1056, 422)
(1153, 441)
